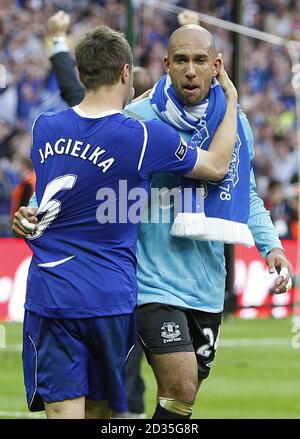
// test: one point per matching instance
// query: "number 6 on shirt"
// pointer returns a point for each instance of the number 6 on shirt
(52, 207)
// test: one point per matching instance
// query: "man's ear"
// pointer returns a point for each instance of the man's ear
(125, 73)
(217, 65)
(166, 64)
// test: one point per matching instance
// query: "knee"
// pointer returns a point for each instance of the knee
(187, 392)
(69, 409)
(54, 410)
(184, 391)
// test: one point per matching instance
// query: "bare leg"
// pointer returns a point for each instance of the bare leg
(180, 381)
(97, 410)
(69, 409)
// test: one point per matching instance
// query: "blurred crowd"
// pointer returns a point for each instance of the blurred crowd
(28, 86)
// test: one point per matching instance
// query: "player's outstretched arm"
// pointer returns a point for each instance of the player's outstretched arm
(63, 64)
(214, 163)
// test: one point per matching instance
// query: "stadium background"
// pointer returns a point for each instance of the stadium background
(256, 373)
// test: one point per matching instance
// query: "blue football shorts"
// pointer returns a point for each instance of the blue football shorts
(69, 358)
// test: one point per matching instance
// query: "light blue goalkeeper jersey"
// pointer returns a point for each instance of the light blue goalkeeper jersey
(183, 272)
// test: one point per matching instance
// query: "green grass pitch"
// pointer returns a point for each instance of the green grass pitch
(256, 374)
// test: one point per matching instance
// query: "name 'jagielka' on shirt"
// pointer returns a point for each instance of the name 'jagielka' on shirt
(79, 149)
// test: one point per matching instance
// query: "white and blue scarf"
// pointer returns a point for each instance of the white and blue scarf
(222, 212)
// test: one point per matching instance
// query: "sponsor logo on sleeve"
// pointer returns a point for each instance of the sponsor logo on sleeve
(181, 150)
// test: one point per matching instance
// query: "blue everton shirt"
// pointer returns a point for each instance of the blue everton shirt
(84, 262)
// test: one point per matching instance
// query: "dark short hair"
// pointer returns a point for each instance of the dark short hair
(101, 55)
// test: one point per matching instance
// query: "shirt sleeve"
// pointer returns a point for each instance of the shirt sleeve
(70, 87)
(264, 233)
(164, 151)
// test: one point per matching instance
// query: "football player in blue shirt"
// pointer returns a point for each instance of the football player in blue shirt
(79, 321)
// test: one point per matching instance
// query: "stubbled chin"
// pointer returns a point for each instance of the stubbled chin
(189, 100)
